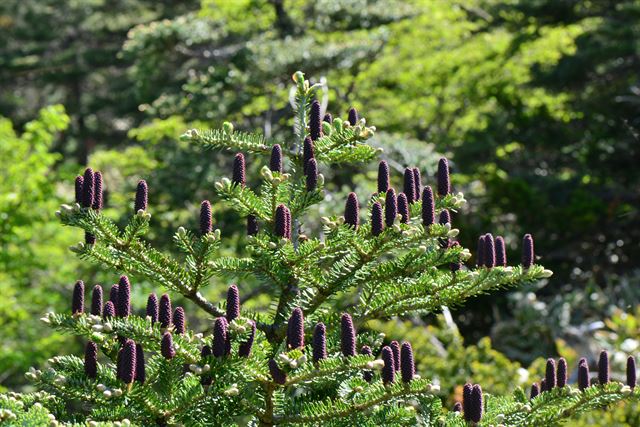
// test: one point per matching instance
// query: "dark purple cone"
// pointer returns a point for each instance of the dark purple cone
(480, 252)
(238, 176)
(319, 342)
(328, 118)
(501, 252)
(428, 207)
(206, 220)
(152, 308)
(388, 371)
(113, 294)
(233, 303)
(407, 367)
(395, 347)
(390, 207)
(166, 346)
(281, 229)
(403, 208)
(252, 225)
(489, 251)
(315, 124)
(87, 188)
(527, 251)
(550, 374)
(206, 351)
(477, 405)
(631, 372)
(347, 336)
(78, 183)
(409, 185)
(383, 177)
(220, 337)
(205, 379)
(91, 360)
(584, 378)
(444, 184)
(127, 362)
(288, 223)
(353, 116)
(109, 310)
(96, 301)
(77, 300)
(307, 152)
(543, 386)
(244, 349)
(417, 184)
(377, 222)
(278, 375)
(445, 217)
(466, 401)
(179, 321)
(98, 196)
(535, 390)
(89, 238)
(275, 163)
(457, 407)
(603, 367)
(367, 374)
(561, 375)
(352, 211)
(311, 174)
(295, 329)
(164, 312)
(142, 196)
(455, 266)
(141, 372)
(123, 308)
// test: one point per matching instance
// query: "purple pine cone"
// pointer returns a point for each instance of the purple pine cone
(457, 407)
(127, 362)
(477, 405)
(489, 251)
(407, 367)
(220, 337)
(166, 346)
(388, 371)
(631, 372)
(123, 308)
(206, 220)
(142, 195)
(383, 177)
(377, 222)
(347, 336)
(179, 321)
(288, 223)
(353, 116)
(206, 351)
(96, 301)
(152, 308)
(78, 185)
(307, 153)
(295, 329)
(238, 176)
(428, 207)
(109, 310)
(352, 211)
(87, 188)
(141, 372)
(466, 401)
(89, 238)
(91, 360)
(603, 367)
(535, 390)
(315, 124)
(395, 347)
(403, 207)
(444, 184)
(113, 294)
(417, 184)
(328, 118)
(233, 303)
(367, 374)
(501, 252)
(281, 222)
(584, 378)
(252, 225)
(98, 196)
(275, 164)
(311, 174)
(527, 251)
(561, 375)
(550, 374)
(543, 386)
(319, 342)
(445, 217)
(409, 185)
(164, 312)
(244, 349)
(480, 252)
(77, 300)
(390, 207)
(278, 375)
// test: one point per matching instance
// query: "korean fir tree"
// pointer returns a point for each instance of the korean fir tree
(301, 362)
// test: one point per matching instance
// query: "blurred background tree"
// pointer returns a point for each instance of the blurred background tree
(535, 102)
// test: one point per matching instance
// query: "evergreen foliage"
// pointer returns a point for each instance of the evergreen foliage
(256, 368)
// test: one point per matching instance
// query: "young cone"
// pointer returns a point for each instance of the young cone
(113, 294)
(78, 187)
(395, 348)
(403, 207)
(307, 153)
(367, 374)
(166, 346)
(390, 207)
(347, 336)
(98, 196)
(233, 303)
(457, 407)
(489, 251)
(275, 164)
(377, 222)
(466, 401)
(77, 300)
(328, 118)
(428, 207)
(220, 337)
(383, 177)
(388, 371)
(603, 367)
(631, 372)
(244, 349)
(164, 312)
(550, 374)
(409, 185)
(501, 252)
(238, 177)
(480, 252)
(584, 379)
(279, 377)
(477, 405)
(206, 220)
(444, 184)
(152, 308)
(91, 360)
(281, 228)
(319, 342)
(407, 367)
(87, 188)
(127, 362)
(109, 310)
(315, 124)
(141, 372)
(311, 175)
(96, 301)
(417, 184)
(252, 225)
(123, 308)
(179, 321)
(535, 390)
(142, 195)
(561, 375)
(528, 254)
(353, 116)
(295, 329)
(352, 211)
